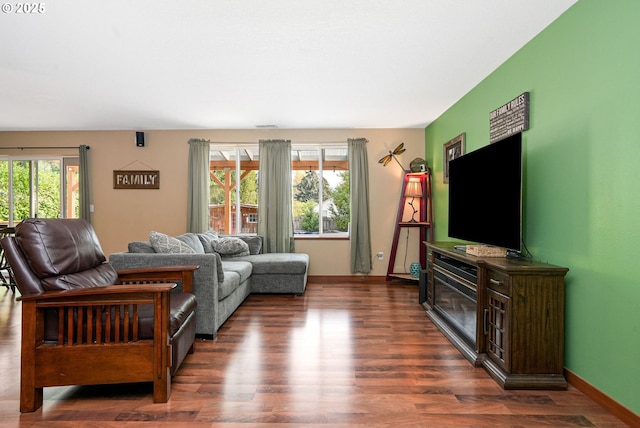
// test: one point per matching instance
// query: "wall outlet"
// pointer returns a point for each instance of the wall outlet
(380, 255)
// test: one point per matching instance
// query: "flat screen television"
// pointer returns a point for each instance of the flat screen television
(485, 195)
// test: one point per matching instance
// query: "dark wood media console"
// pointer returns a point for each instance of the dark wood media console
(504, 314)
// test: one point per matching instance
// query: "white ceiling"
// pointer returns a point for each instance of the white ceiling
(238, 64)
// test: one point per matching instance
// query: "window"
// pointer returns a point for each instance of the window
(321, 210)
(233, 212)
(38, 187)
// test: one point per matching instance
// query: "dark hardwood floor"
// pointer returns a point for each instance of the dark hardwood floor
(344, 354)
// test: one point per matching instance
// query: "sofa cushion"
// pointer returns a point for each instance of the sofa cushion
(229, 285)
(167, 244)
(230, 246)
(241, 268)
(219, 269)
(277, 263)
(140, 247)
(192, 240)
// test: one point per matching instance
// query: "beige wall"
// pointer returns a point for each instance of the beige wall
(121, 216)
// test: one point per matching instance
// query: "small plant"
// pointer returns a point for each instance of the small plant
(310, 219)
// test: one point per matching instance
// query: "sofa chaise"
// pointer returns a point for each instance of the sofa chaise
(230, 268)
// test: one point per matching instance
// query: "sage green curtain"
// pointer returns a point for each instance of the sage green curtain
(275, 206)
(360, 232)
(85, 185)
(198, 186)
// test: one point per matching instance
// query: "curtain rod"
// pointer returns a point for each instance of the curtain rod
(293, 143)
(41, 147)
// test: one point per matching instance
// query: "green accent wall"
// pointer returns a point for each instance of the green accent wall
(581, 177)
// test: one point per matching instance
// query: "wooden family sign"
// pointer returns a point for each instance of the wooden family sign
(136, 179)
(509, 119)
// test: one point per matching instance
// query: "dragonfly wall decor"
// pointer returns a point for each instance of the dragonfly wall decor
(392, 155)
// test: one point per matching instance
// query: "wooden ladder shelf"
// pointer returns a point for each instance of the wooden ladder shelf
(422, 218)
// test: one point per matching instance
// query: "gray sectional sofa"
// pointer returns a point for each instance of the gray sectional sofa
(226, 276)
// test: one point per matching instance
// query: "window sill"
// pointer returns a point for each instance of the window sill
(326, 237)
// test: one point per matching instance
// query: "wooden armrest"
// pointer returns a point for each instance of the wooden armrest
(98, 292)
(182, 273)
(152, 269)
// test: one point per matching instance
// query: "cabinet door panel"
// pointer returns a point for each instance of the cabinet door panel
(497, 327)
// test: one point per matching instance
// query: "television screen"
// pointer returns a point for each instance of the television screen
(485, 195)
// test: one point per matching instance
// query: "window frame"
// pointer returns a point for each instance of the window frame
(237, 153)
(250, 150)
(319, 148)
(63, 163)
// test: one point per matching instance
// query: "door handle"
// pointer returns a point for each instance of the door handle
(485, 326)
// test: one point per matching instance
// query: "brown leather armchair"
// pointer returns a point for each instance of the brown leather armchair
(83, 323)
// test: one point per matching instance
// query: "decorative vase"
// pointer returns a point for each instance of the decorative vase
(415, 269)
(418, 165)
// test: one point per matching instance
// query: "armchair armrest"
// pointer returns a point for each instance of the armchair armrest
(98, 294)
(182, 273)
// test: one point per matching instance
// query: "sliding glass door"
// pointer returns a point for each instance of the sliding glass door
(44, 187)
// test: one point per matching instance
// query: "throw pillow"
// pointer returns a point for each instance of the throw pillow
(230, 246)
(212, 233)
(191, 239)
(206, 239)
(167, 244)
(254, 242)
